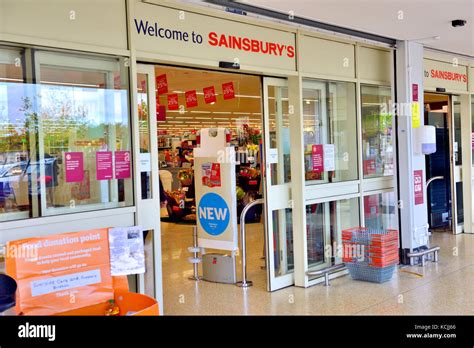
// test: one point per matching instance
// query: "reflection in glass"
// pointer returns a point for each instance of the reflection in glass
(72, 110)
(377, 131)
(379, 211)
(325, 222)
(144, 133)
(15, 200)
(279, 129)
(330, 131)
(283, 241)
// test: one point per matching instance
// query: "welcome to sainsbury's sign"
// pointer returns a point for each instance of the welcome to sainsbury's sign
(167, 31)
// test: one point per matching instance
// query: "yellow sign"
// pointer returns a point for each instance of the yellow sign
(415, 115)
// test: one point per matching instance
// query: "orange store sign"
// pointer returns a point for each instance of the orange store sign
(61, 272)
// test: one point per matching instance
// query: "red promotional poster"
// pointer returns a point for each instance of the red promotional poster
(161, 84)
(103, 164)
(143, 83)
(318, 158)
(228, 90)
(191, 99)
(122, 164)
(160, 113)
(371, 205)
(216, 175)
(209, 95)
(418, 186)
(74, 164)
(369, 167)
(173, 103)
(414, 92)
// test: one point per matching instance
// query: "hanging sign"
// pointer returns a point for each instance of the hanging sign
(61, 272)
(161, 84)
(318, 158)
(209, 95)
(418, 186)
(103, 162)
(74, 165)
(173, 103)
(122, 164)
(228, 90)
(160, 113)
(191, 99)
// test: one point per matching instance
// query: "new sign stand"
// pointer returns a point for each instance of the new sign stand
(215, 182)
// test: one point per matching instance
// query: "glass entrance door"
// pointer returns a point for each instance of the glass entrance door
(456, 164)
(277, 173)
(147, 189)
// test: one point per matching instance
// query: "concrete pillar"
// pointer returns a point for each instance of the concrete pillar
(413, 212)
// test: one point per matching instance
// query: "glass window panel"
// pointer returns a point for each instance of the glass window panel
(144, 132)
(15, 202)
(283, 241)
(324, 224)
(279, 130)
(330, 131)
(82, 115)
(377, 131)
(457, 131)
(379, 211)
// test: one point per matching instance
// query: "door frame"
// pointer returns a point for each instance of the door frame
(283, 191)
(148, 209)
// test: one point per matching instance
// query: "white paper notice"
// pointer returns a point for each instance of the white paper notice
(272, 155)
(127, 254)
(145, 162)
(329, 158)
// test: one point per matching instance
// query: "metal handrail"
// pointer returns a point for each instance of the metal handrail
(245, 283)
(430, 180)
(326, 271)
(421, 254)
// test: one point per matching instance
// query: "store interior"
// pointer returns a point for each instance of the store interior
(438, 164)
(179, 127)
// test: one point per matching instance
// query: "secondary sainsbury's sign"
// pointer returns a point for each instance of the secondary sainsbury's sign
(191, 37)
(445, 75)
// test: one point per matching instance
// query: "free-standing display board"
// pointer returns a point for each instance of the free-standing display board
(215, 183)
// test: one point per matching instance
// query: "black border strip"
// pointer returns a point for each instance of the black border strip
(303, 21)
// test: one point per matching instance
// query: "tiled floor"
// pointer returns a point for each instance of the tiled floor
(445, 288)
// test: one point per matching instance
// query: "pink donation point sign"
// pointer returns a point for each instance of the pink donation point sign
(122, 164)
(74, 163)
(104, 168)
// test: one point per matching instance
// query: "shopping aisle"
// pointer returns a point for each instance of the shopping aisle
(445, 288)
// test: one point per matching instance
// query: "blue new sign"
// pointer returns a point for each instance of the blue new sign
(213, 214)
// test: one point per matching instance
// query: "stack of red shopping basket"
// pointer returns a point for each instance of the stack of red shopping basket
(370, 254)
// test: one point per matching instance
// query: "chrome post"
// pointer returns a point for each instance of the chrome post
(245, 283)
(195, 260)
(326, 279)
